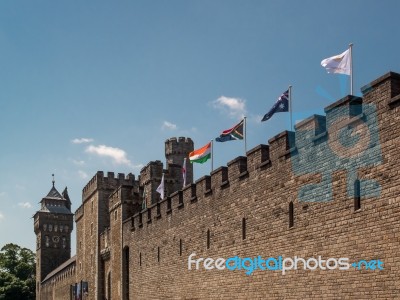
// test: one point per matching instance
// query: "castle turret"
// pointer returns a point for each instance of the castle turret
(53, 224)
(176, 150)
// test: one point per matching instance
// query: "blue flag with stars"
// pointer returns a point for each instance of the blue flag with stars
(281, 105)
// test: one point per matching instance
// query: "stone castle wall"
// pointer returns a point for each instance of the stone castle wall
(278, 200)
(244, 209)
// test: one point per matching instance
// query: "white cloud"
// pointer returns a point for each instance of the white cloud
(81, 141)
(83, 174)
(78, 162)
(117, 155)
(235, 107)
(24, 205)
(1, 216)
(169, 126)
(2, 194)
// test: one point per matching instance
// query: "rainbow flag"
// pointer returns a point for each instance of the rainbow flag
(201, 155)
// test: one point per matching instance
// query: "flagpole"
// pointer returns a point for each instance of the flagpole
(351, 68)
(290, 107)
(245, 136)
(212, 155)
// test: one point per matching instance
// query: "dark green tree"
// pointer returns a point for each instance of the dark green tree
(17, 273)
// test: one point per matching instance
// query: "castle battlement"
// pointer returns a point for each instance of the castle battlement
(179, 145)
(317, 191)
(99, 181)
(291, 149)
(153, 169)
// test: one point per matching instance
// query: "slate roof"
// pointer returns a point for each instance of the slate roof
(56, 209)
(54, 194)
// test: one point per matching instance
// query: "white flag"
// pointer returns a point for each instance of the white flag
(184, 172)
(160, 188)
(339, 64)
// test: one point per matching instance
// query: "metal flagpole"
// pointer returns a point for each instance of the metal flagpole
(290, 107)
(351, 68)
(212, 155)
(245, 136)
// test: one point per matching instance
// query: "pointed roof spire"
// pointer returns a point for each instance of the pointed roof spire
(53, 192)
(65, 194)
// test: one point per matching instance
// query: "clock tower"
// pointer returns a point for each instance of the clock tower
(53, 224)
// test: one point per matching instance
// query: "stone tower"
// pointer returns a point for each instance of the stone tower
(53, 224)
(176, 150)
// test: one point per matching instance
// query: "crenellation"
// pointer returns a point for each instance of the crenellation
(309, 131)
(79, 213)
(279, 146)
(177, 199)
(390, 78)
(219, 178)
(237, 168)
(343, 109)
(257, 156)
(203, 185)
(91, 186)
(193, 192)
(315, 124)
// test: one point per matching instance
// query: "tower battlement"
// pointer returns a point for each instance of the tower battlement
(178, 146)
(99, 181)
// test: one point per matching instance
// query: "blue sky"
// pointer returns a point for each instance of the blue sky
(99, 85)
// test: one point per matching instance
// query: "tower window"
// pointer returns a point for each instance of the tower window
(208, 238)
(116, 215)
(180, 247)
(357, 195)
(158, 254)
(91, 229)
(140, 258)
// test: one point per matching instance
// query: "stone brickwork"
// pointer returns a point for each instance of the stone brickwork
(271, 202)
(57, 284)
(92, 218)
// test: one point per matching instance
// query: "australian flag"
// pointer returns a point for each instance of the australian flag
(281, 105)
